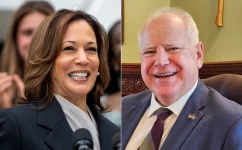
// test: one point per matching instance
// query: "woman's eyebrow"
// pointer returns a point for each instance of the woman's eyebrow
(73, 42)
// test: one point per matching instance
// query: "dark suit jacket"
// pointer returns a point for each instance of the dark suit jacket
(218, 123)
(26, 128)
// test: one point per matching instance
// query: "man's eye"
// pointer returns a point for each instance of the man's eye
(69, 48)
(173, 49)
(149, 52)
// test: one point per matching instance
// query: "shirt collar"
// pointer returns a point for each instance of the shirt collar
(175, 107)
(71, 107)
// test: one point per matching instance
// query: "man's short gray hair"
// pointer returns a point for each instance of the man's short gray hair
(191, 26)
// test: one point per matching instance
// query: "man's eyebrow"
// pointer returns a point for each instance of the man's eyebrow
(170, 43)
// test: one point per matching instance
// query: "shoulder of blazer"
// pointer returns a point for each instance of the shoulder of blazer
(224, 105)
(10, 136)
(134, 99)
(25, 111)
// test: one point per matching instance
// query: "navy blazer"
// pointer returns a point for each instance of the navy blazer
(217, 126)
(27, 128)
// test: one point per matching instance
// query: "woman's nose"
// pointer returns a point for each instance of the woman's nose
(81, 58)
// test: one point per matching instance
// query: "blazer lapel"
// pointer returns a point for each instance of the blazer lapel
(53, 118)
(131, 118)
(104, 131)
(184, 125)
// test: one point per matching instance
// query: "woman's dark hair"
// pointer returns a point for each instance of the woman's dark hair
(114, 85)
(46, 46)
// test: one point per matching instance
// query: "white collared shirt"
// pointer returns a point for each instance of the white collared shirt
(145, 124)
(77, 118)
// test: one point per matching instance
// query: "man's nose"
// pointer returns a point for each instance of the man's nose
(162, 57)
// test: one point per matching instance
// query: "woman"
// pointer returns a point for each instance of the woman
(112, 95)
(25, 21)
(63, 82)
(114, 55)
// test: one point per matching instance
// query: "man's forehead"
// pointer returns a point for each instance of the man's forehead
(164, 19)
(148, 40)
(163, 24)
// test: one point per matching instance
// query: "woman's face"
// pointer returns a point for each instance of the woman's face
(25, 31)
(75, 68)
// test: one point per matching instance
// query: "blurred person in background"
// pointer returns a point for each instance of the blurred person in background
(24, 23)
(65, 73)
(112, 92)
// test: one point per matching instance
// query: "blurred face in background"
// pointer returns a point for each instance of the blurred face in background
(116, 42)
(25, 31)
(75, 69)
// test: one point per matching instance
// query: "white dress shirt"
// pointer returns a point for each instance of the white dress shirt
(146, 123)
(77, 118)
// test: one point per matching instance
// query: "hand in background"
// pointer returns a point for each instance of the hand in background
(20, 85)
(6, 81)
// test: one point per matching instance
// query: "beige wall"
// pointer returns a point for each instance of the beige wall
(136, 13)
(221, 43)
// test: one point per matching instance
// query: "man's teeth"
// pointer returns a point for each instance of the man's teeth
(165, 74)
(78, 75)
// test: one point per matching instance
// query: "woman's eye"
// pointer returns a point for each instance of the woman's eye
(28, 32)
(69, 48)
(92, 49)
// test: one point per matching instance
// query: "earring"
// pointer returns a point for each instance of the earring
(98, 73)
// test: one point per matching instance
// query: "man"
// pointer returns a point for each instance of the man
(201, 118)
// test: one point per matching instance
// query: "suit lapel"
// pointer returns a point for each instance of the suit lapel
(131, 118)
(184, 125)
(53, 118)
(61, 137)
(104, 131)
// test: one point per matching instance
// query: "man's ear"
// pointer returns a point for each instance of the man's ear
(200, 50)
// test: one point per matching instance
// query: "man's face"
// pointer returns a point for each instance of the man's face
(169, 60)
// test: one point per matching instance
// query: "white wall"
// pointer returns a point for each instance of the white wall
(106, 11)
